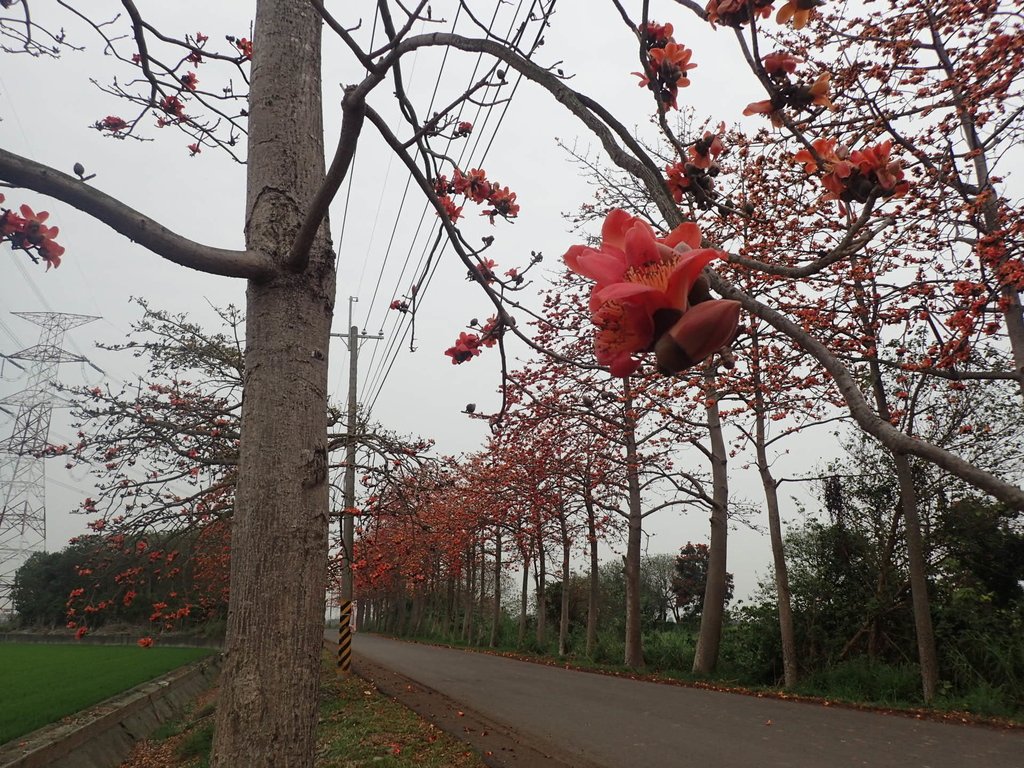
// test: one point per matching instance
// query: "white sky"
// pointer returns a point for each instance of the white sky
(46, 109)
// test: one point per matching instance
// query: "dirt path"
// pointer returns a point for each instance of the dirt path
(582, 720)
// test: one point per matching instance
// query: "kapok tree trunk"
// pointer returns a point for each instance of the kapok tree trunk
(524, 600)
(470, 598)
(563, 622)
(634, 652)
(542, 595)
(705, 658)
(790, 663)
(496, 608)
(267, 712)
(594, 593)
(926, 652)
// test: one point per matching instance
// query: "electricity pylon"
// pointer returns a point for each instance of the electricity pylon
(22, 469)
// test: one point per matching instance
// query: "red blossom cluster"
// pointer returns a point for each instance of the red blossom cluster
(737, 13)
(667, 63)
(244, 46)
(854, 176)
(992, 250)
(172, 106)
(696, 174)
(787, 93)
(468, 345)
(476, 187)
(29, 233)
(483, 271)
(196, 56)
(111, 124)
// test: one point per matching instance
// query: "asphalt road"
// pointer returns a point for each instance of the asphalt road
(597, 720)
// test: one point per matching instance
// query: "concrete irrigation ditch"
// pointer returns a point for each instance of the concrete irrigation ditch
(103, 735)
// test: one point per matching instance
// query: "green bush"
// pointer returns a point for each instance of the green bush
(861, 679)
(669, 649)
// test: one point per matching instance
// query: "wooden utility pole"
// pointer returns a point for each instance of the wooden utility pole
(349, 491)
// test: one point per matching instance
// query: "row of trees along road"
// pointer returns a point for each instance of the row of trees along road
(903, 117)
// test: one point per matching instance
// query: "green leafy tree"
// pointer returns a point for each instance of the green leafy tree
(690, 580)
(42, 585)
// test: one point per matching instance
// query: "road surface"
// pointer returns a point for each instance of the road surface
(581, 719)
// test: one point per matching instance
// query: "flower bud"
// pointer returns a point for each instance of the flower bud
(700, 332)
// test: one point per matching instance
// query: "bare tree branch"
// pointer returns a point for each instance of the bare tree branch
(28, 174)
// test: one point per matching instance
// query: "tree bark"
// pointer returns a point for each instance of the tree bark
(524, 600)
(496, 608)
(634, 652)
(706, 655)
(470, 598)
(926, 652)
(790, 663)
(563, 622)
(594, 593)
(267, 711)
(542, 594)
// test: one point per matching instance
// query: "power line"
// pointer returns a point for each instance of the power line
(392, 349)
(381, 379)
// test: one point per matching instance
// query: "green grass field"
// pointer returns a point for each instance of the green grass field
(43, 683)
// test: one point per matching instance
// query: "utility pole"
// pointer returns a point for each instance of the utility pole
(22, 470)
(349, 490)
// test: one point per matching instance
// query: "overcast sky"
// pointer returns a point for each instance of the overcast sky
(46, 108)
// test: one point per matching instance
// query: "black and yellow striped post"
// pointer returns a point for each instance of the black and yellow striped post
(345, 638)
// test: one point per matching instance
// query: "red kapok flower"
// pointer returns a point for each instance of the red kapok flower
(172, 105)
(467, 346)
(678, 181)
(474, 185)
(825, 149)
(503, 203)
(669, 66)
(767, 107)
(737, 13)
(189, 80)
(797, 11)
(29, 232)
(452, 211)
(244, 46)
(484, 270)
(145, 642)
(780, 63)
(656, 35)
(644, 288)
(110, 123)
(706, 149)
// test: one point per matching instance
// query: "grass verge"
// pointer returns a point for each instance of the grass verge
(43, 683)
(358, 726)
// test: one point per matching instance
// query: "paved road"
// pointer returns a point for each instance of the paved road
(620, 723)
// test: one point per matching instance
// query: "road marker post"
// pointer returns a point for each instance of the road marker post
(345, 639)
